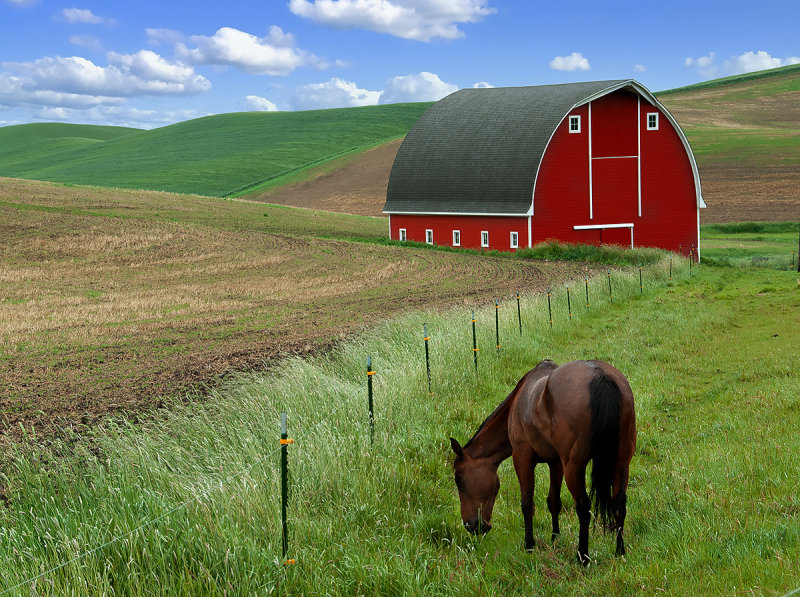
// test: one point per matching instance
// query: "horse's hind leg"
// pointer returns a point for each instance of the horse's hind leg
(619, 504)
(554, 496)
(524, 464)
(576, 483)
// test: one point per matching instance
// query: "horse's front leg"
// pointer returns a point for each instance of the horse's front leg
(524, 466)
(554, 496)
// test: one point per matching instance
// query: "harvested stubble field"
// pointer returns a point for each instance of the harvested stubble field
(115, 300)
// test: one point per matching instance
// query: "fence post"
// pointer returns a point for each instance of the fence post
(474, 343)
(670, 268)
(519, 311)
(569, 305)
(284, 489)
(798, 249)
(641, 288)
(549, 309)
(497, 323)
(691, 252)
(610, 295)
(370, 373)
(425, 337)
(586, 281)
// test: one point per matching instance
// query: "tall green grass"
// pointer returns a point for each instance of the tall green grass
(712, 500)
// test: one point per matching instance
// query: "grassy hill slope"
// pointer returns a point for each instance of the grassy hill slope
(211, 156)
(745, 134)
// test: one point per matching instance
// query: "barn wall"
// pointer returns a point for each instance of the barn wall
(573, 188)
(499, 228)
(561, 196)
(669, 202)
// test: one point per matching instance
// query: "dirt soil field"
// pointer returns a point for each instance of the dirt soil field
(747, 182)
(117, 301)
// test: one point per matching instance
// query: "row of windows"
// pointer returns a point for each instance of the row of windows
(575, 122)
(513, 240)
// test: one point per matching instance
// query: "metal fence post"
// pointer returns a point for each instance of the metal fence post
(549, 309)
(519, 312)
(497, 323)
(284, 489)
(425, 337)
(474, 343)
(610, 295)
(586, 281)
(370, 373)
(569, 305)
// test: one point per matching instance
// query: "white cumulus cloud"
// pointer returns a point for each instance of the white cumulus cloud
(77, 82)
(335, 93)
(573, 62)
(482, 85)
(260, 104)
(424, 87)
(82, 16)
(421, 20)
(753, 61)
(639, 68)
(274, 54)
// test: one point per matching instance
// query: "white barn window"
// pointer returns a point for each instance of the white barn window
(514, 240)
(484, 238)
(652, 121)
(575, 124)
(402, 234)
(456, 238)
(429, 236)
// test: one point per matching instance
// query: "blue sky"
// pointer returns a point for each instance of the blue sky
(147, 64)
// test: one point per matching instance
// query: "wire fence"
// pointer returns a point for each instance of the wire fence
(370, 372)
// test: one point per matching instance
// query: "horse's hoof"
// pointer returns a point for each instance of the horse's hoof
(583, 559)
(553, 537)
(530, 547)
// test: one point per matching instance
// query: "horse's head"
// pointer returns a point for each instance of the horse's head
(478, 484)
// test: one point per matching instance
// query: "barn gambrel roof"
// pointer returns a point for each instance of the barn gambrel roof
(478, 151)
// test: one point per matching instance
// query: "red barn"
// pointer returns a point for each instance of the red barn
(502, 168)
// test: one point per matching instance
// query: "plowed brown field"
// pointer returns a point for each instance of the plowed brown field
(113, 301)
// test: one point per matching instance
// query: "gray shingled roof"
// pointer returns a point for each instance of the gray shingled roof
(478, 150)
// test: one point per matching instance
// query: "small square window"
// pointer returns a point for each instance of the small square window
(429, 236)
(484, 238)
(402, 234)
(514, 240)
(456, 238)
(574, 124)
(652, 121)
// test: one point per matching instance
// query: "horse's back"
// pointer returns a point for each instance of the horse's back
(556, 414)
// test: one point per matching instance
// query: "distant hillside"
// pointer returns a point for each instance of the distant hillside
(216, 155)
(745, 134)
(744, 131)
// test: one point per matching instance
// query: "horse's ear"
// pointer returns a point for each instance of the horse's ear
(456, 447)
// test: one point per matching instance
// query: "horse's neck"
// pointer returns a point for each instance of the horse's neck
(491, 440)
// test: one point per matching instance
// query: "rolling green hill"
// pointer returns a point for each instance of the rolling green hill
(214, 156)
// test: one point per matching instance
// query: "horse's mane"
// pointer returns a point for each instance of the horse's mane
(505, 403)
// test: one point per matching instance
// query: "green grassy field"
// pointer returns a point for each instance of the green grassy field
(751, 244)
(213, 156)
(187, 502)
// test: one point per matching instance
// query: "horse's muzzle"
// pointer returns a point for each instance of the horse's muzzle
(477, 527)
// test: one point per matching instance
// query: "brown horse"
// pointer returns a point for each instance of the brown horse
(564, 416)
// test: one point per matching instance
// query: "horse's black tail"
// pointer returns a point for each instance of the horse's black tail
(605, 403)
